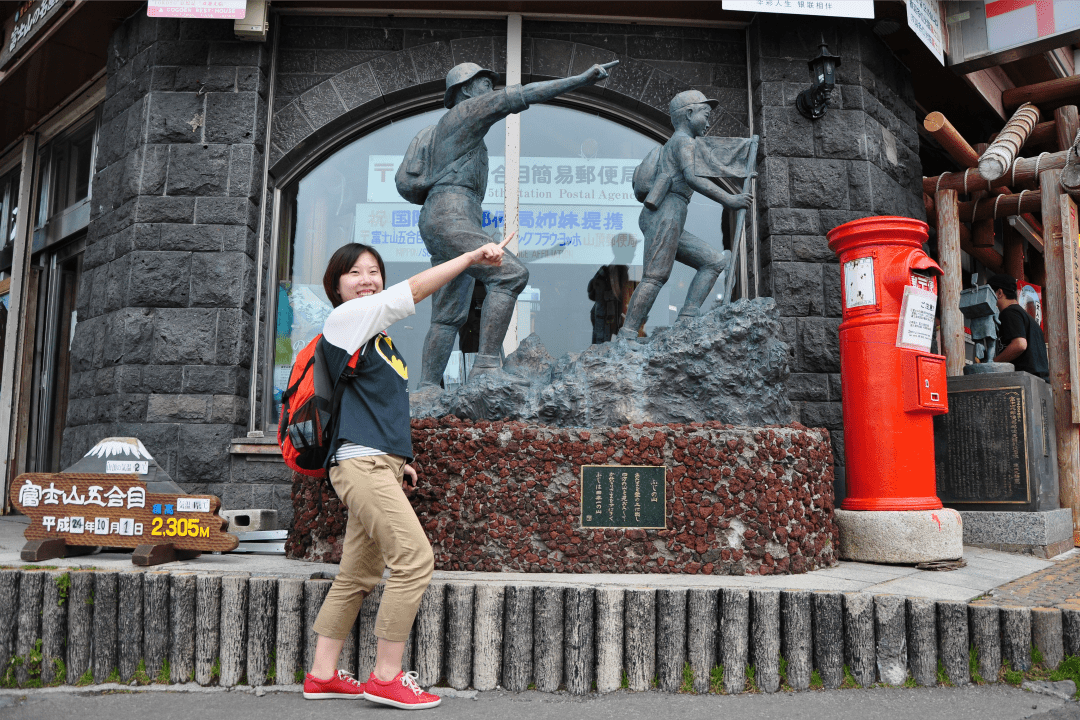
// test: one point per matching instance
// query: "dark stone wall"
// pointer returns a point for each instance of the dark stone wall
(860, 160)
(163, 344)
(506, 496)
(334, 71)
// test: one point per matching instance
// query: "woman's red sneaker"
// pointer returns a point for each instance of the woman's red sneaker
(341, 686)
(401, 692)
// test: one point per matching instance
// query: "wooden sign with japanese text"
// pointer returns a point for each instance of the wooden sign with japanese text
(624, 496)
(116, 511)
(1070, 241)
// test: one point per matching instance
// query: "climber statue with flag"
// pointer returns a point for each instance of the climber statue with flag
(665, 181)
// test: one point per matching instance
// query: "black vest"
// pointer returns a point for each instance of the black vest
(375, 403)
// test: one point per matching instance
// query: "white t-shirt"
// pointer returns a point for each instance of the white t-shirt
(353, 323)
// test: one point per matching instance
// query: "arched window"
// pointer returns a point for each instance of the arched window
(578, 234)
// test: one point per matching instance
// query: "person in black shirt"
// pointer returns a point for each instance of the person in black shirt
(1021, 338)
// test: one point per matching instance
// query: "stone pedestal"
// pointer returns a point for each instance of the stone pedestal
(1042, 534)
(901, 537)
(997, 463)
(995, 449)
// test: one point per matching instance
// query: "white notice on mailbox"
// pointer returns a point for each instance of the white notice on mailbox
(916, 329)
(127, 467)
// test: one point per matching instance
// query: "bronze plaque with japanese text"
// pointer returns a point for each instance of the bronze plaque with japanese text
(624, 496)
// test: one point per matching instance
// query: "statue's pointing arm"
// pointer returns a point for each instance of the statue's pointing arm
(706, 186)
(539, 92)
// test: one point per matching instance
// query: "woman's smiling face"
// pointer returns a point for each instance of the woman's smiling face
(362, 279)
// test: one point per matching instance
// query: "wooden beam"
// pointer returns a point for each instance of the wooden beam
(1056, 304)
(1014, 252)
(1001, 154)
(1022, 171)
(982, 233)
(999, 206)
(1044, 92)
(954, 143)
(952, 320)
(1042, 133)
(988, 256)
(1066, 124)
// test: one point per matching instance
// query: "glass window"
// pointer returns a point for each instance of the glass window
(578, 234)
(67, 169)
(9, 213)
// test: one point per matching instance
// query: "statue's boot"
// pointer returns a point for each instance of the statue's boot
(494, 320)
(641, 303)
(701, 286)
(438, 345)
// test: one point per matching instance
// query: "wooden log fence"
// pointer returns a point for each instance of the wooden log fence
(515, 636)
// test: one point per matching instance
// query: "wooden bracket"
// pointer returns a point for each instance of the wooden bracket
(38, 550)
(147, 555)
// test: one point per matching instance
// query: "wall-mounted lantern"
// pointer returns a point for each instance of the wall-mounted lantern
(814, 101)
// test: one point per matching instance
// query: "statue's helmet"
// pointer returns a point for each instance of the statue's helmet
(461, 74)
(690, 97)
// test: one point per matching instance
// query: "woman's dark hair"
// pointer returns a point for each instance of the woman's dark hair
(341, 262)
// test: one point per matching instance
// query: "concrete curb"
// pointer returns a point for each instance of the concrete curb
(221, 631)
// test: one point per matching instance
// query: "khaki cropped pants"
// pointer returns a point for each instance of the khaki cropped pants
(382, 531)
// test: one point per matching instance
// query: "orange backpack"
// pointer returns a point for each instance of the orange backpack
(309, 409)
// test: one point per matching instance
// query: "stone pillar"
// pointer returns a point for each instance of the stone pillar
(163, 343)
(861, 159)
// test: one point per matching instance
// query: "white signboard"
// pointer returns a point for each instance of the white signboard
(127, 467)
(564, 234)
(556, 181)
(206, 9)
(916, 329)
(859, 288)
(193, 505)
(924, 18)
(817, 8)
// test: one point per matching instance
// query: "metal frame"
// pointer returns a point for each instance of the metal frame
(253, 384)
(12, 365)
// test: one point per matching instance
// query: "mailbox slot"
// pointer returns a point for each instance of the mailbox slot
(925, 383)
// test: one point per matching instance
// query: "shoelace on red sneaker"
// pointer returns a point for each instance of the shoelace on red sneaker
(348, 677)
(408, 679)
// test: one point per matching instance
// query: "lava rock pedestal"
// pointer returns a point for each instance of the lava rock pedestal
(900, 537)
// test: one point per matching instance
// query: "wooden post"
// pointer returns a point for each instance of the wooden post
(1057, 305)
(182, 627)
(290, 630)
(105, 646)
(954, 143)
(129, 621)
(1066, 123)
(155, 621)
(53, 626)
(262, 600)
(207, 626)
(952, 320)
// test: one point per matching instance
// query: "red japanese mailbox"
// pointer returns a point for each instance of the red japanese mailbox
(892, 384)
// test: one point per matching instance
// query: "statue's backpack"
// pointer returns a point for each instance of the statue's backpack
(413, 177)
(416, 176)
(645, 174)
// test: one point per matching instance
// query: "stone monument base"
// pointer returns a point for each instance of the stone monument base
(507, 496)
(1042, 534)
(900, 537)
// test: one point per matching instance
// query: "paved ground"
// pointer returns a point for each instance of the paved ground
(1054, 586)
(969, 703)
(986, 571)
